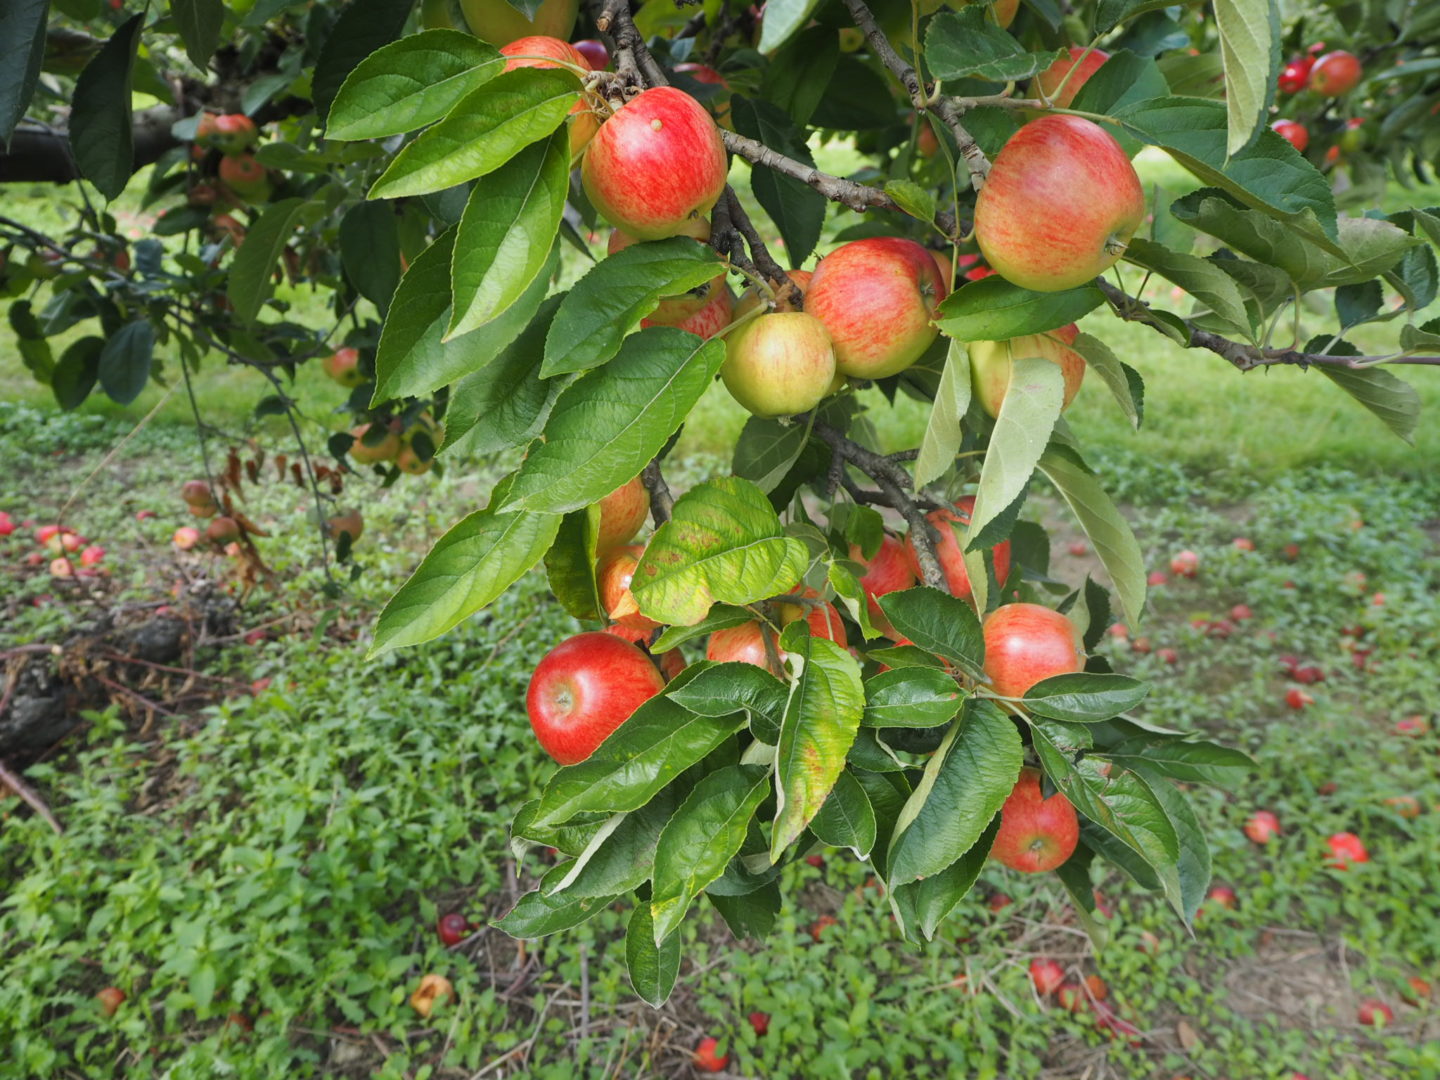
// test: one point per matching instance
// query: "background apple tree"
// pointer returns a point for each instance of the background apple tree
(443, 197)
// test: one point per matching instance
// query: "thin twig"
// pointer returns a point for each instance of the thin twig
(30, 797)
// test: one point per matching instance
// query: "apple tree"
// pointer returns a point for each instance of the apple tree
(544, 253)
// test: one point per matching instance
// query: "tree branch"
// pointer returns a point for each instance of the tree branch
(661, 501)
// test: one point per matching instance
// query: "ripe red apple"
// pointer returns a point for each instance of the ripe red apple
(877, 298)
(817, 861)
(453, 928)
(743, 644)
(501, 24)
(760, 1022)
(594, 52)
(1296, 74)
(542, 51)
(1297, 698)
(1156, 578)
(45, 533)
(1185, 564)
(1058, 77)
(674, 310)
(622, 513)
(614, 571)
(1296, 134)
(1261, 826)
(716, 313)
(367, 454)
(110, 999)
(1243, 543)
(6, 525)
(706, 1057)
(991, 363)
(1096, 988)
(1412, 726)
(583, 689)
(433, 990)
(1416, 991)
(1036, 834)
(1336, 73)
(1027, 643)
(246, 177)
(1346, 848)
(947, 548)
(1241, 613)
(233, 134)
(92, 555)
(62, 567)
(779, 364)
(889, 571)
(186, 537)
(1059, 206)
(656, 165)
(1047, 975)
(1223, 896)
(343, 365)
(1375, 1013)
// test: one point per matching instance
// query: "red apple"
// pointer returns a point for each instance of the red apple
(1346, 848)
(1058, 85)
(1185, 564)
(889, 571)
(433, 990)
(1412, 726)
(743, 644)
(1241, 613)
(62, 567)
(542, 51)
(1297, 698)
(760, 1022)
(817, 861)
(583, 689)
(246, 177)
(779, 364)
(991, 363)
(656, 165)
(1027, 643)
(409, 460)
(223, 530)
(1296, 134)
(350, 522)
(343, 366)
(947, 548)
(1261, 826)
(369, 453)
(110, 999)
(820, 925)
(877, 298)
(1416, 991)
(6, 525)
(186, 537)
(1036, 834)
(594, 52)
(716, 313)
(1059, 206)
(1047, 975)
(674, 310)
(1223, 896)
(1335, 73)
(453, 928)
(706, 1057)
(1156, 578)
(501, 23)
(1243, 543)
(196, 493)
(613, 573)
(622, 513)
(92, 555)
(1071, 997)
(1296, 74)
(1374, 1013)
(233, 134)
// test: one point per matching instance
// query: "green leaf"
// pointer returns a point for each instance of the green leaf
(1110, 13)
(644, 754)
(101, 139)
(939, 623)
(124, 366)
(618, 858)
(723, 543)
(723, 689)
(1074, 874)
(199, 23)
(992, 309)
(202, 985)
(701, 839)
(943, 435)
(616, 293)
(768, 449)
(1123, 78)
(796, 79)
(22, 50)
(750, 914)
(471, 565)
(782, 20)
(1393, 400)
(821, 719)
(1356, 304)
(1128, 392)
(912, 198)
(486, 129)
(608, 424)
(652, 968)
(846, 818)
(370, 251)
(363, 28)
(1193, 761)
(1193, 861)
(1250, 49)
(966, 44)
(537, 915)
(721, 617)
(1103, 523)
(1085, 697)
(505, 235)
(923, 905)
(911, 697)
(74, 376)
(252, 271)
(570, 564)
(1200, 278)
(411, 83)
(965, 783)
(797, 209)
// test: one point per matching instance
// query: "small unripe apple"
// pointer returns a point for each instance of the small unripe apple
(186, 537)
(1047, 976)
(1036, 834)
(542, 51)
(368, 453)
(343, 366)
(707, 1058)
(583, 689)
(614, 571)
(947, 548)
(1336, 73)
(991, 364)
(246, 177)
(779, 364)
(434, 990)
(1345, 849)
(622, 514)
(110, 999)
(1293, 132)
(1026, 644)
(1262, 826)
(1058, 76)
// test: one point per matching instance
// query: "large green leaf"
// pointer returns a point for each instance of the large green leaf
(199, 23)
(619, 858)
(963, 787)
(911, 697)
(821, 719)
(1110, 13)
(1200, 278)
(749, 914)
(721, 617)
(1120, 378)
(252, 271)
(362, 28)
(652, 968)
(1393, 400)
(966, 44)
(939, 623)
(570, 564)
(487, 128)
(723, 689)
(992, 309)
(124, 366)
(797, 209)
(723, 543)
(537, 915)
(411, 83)
(942, 438)
(607, 425)
(923, 905)
(1085, 697)
(782, 19)
(846, 818)
(471, 565)
(22, 50)
(101, 139)
(370, 251)
(768, 449)
(1250, 50)
(1194, 761)
(1193, 861)
(701, 839)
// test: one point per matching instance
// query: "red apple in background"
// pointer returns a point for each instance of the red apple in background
(222, 530)
(246, 177)
(1047, 976)
(1185, 564)
(1416, 991)
(947, 548)
(366, 452)
(1036, 834)
(1058, 84)
(453, 928)
(822, 618)
(1374, 1013)
(196, 493)
(1407, 806)
(991, 363)
(1223, 896)
(657, 165)
(110, 999)
(1335, 73)
(542, 51)
(6, 525)
(92, 555)
(434, 990)
(716, 313)
(583, 689)
(622, 513)
(820, 925)
(888, 571)
(1296, 74)
(1028, 643)
(594, 52)
(1412, 726)
(779, 364)
(349, 523)
(1071, 997)
(233, 134)
(186, 537)
(1241, 613)
(501, 24)
(62, 567)
(1243, 543)
(1297, 698)
(760, 1022)
(343, 366)
(674, 310)
(1262, 826)
(1296, 134)
(744, 644)
(1156, 578)
(613, 573)
(1345, 848)
(1168, 656)
(707, 1058)
(877, 298)
(1059, 206)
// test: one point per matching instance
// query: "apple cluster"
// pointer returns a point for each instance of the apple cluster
(1316, 82)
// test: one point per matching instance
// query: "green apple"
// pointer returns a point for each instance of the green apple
(991, 363)
(497, 22)
(779, 364)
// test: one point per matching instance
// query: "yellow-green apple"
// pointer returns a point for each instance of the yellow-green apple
(779, 364)
(368, 453)
(343, 366)
(1026, 644)
(708, 76)
(1335, 73)
(499, 23)
(947, 548)
(888, 571)
(246, 177)
(583, 689)
(656, 165)
(991, 363)
(1036, 834)
(1057, 83)
(595, 53)
(1293, 132)
(186, 537)
(622, 513)
(877, 298)
(614, 571)
(540, 51)
(752, 298)
(434, 990)
(1059, 206)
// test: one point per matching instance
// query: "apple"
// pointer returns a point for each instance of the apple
(1412, 726)
(1036, 834)
(1374, 1013)
(1059, 206)
(1149, 943)
(708, 76)
(1345, 848)
(92, 555)
(45, 533)
(622, 513)
(583, 689)
(110, 999)
(1071, 997)
(817, 861)
(223, 530)
(226, 225)
(205, 129)
(1223, 896)
(671, 661)
(186, 537)
(1335, 73)
(1027, 643)
(743, 644)
(246, 177)
(1297, 698)
(714, 315)
(594, 52)
(1416, 991)
(1241, 613)
(1407, 806)
(1291, 551)
(1096, 988)
(348, 523)
(888, 571)
(877, 298)
(542, 51)
(1058, 85)
(820, 925)
(1308, 674)
(196, 493)
(453, 928)
(706, 1058)
(760, 1022)
(433, 990)
(233, 134)
(1296, 74)
(61, 568)
(614, 571)
(1353, 137)
(368, 452)
(1106, 1019)
(947, 548)
(1293, 132)
(343, 366)
(1047, 975)
(409, 460)
(1156, 577)
(656, 165)
(1185, 564)
(779, 364)
(7, 526)
(499, 23)
(1261, 826)
(676, 310)
(991, 363)
(822, 618)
